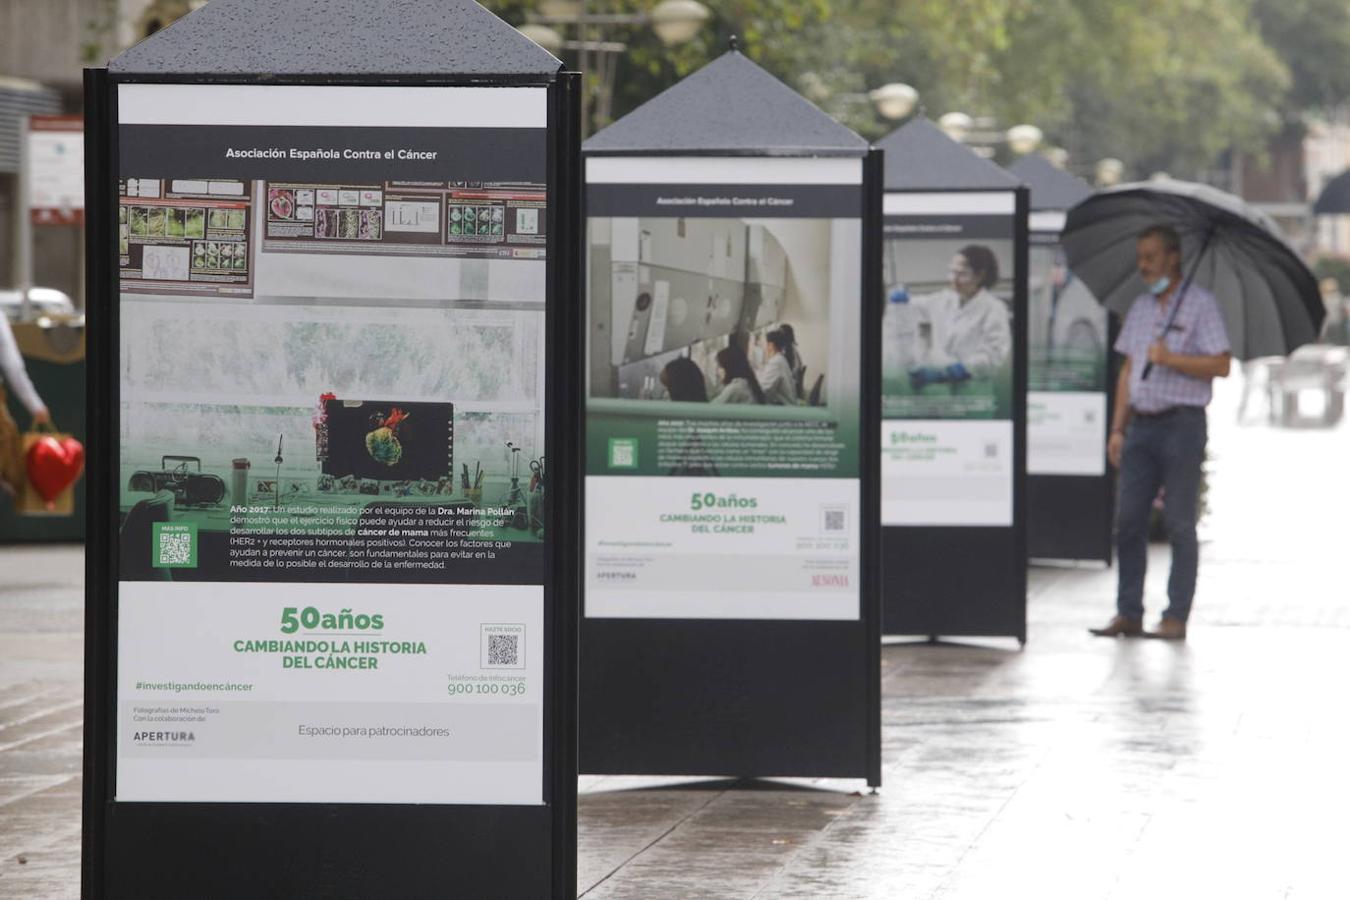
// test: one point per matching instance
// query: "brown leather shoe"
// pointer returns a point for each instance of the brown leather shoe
(1120, 626)
(1169, 630)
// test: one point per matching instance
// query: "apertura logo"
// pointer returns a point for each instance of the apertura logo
(179, 738)
(615, 575)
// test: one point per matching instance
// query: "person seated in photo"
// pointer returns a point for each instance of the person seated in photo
(734, 373)
(970, 331)
(684, 382)
(777, 379)
(794, 358)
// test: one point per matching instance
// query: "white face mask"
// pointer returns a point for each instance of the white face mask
(1159, 287)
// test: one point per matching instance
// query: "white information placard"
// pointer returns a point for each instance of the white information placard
(949, 266)
(723, 402)
(330, 693)
(727, 548)
(943, 472)
(332, 552)
(54, 158)
(1066, 433)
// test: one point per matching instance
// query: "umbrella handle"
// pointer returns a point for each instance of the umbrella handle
(1181, 292)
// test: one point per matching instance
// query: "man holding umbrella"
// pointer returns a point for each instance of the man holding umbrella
(1173, 351)
(1245, 293)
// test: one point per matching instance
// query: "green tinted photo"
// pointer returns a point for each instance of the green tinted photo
(947, 329)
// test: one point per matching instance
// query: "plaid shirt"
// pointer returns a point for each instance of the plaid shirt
(1197, 331)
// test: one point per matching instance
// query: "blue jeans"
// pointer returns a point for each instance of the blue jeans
(1166, 451)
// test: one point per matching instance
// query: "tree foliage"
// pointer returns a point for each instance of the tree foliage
(1313, 39)
(1161, 84)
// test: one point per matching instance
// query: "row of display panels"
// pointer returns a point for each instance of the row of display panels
(332, 386)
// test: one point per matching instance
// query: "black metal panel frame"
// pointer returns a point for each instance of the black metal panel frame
(969, 581)
(207, 850)
(752, 698)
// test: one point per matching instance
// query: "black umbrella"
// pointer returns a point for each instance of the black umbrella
(1335, 197)
(1267, 294)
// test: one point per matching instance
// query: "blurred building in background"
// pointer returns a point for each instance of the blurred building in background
(1327, 154)
(44, 46)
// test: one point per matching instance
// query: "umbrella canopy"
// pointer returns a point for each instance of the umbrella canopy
(1267, 294)
(1335, 197)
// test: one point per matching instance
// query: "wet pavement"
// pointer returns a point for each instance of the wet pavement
(1077, 767)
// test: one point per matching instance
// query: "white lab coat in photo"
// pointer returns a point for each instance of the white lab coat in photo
(778, 383)
(977, 335)
(737, 390)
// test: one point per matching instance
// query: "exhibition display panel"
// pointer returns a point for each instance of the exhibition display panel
(326, 599)
(1070, 491)
(729, 583)
(953, 369)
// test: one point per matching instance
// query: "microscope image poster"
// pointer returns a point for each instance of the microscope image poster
(331, 469)
(947, 359)
(723, 399)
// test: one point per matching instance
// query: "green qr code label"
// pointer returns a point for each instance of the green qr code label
(623, 453)
(174, 546)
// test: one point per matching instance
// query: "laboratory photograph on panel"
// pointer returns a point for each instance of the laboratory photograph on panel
(320, 380)
(947, 345)
(731, 320)
(1067, 327)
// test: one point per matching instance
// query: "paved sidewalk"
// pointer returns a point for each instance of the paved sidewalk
(1076, 768)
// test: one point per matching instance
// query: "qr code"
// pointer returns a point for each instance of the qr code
(503, 647)
(175, 549)
(833, 518)
(503, 650)
(175, 546)
(623, 453)
(991, 451)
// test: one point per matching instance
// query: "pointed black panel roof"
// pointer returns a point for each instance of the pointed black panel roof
(1052, 188)
(338, 37)
(730, 106)
(921, 157)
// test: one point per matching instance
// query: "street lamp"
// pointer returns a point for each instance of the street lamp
(956, 124)
(678, 21)
(544, 36)
(1109, 171)
(672, 21)
(561, 8)
(813, 87)
(1023, 139)
(894, 101)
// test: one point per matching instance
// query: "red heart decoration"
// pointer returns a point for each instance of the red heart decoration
(53, 465)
